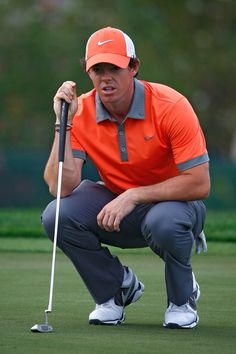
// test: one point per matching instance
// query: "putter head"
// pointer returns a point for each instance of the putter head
(41, 328)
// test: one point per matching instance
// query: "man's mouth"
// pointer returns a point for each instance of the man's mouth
(108, 89)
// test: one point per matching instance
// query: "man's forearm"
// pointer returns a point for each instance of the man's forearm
(186, 186)
(70, 176)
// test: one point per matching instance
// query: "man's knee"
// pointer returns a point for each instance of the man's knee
(167, 229)
(158, 228)
(48, 219)
(75, 225)
(49, 215)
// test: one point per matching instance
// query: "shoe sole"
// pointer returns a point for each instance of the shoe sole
(177, 326)
(136, 297)
(108, 323)
(132, 299)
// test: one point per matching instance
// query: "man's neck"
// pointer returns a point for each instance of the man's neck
(119, 110)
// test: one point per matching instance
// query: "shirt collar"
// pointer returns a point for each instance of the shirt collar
(136, 110)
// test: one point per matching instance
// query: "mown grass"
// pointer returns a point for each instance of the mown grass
(25, 261)
(24, 279)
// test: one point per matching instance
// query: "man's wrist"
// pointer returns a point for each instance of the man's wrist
(57, 127)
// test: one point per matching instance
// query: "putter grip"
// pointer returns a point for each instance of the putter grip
(62, 136)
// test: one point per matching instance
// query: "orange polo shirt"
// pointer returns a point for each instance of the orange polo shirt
(160, 137)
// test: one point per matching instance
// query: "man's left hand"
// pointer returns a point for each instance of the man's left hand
(112, 213)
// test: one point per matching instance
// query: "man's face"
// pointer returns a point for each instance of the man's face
(112, 83)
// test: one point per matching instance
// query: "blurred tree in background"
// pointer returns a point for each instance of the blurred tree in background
(186, 44)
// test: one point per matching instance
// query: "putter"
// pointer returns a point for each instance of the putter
(45, 327)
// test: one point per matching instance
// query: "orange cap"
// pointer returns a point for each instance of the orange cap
(109, 45)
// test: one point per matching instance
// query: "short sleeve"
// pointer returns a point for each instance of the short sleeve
(185, 136)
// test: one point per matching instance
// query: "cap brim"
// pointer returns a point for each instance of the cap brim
(110, 58)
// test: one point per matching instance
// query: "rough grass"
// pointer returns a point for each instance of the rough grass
(220, 225)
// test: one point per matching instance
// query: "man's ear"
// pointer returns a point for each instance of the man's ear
(136, 67)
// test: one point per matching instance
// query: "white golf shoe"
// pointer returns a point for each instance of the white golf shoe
(112, 311)
(184, 316)
(107, 313)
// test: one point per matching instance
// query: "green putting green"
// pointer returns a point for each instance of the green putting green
(24, 279)
(25, 265)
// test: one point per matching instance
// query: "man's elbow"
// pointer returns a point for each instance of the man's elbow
(63, 192)
(203, 180)
(205, 190)
(65, 189)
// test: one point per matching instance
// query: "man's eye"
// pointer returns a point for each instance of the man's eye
(96, 69)
(115, 68)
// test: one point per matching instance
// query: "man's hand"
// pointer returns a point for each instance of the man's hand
(191, 184)
(67, 92)
(111, 215)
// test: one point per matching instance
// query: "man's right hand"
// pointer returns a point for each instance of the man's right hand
(67, 92)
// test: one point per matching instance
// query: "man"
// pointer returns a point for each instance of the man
(148, 147)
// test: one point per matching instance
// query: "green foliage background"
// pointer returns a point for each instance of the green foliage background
(187, 44)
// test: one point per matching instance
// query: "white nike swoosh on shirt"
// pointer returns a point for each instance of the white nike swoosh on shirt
(103, 42)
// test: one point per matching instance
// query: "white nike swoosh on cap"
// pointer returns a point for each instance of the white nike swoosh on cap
(103, 42)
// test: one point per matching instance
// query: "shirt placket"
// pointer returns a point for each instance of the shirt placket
(122, 142)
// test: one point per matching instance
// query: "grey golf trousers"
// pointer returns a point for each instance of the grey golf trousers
(168, 228)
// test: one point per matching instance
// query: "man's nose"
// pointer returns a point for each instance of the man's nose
(106, 73)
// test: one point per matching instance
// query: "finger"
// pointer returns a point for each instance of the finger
(67, 91)
(113, 223)
(116, 224)
(107, 222)
(100, 217)
(71, 85)
(64, 94)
